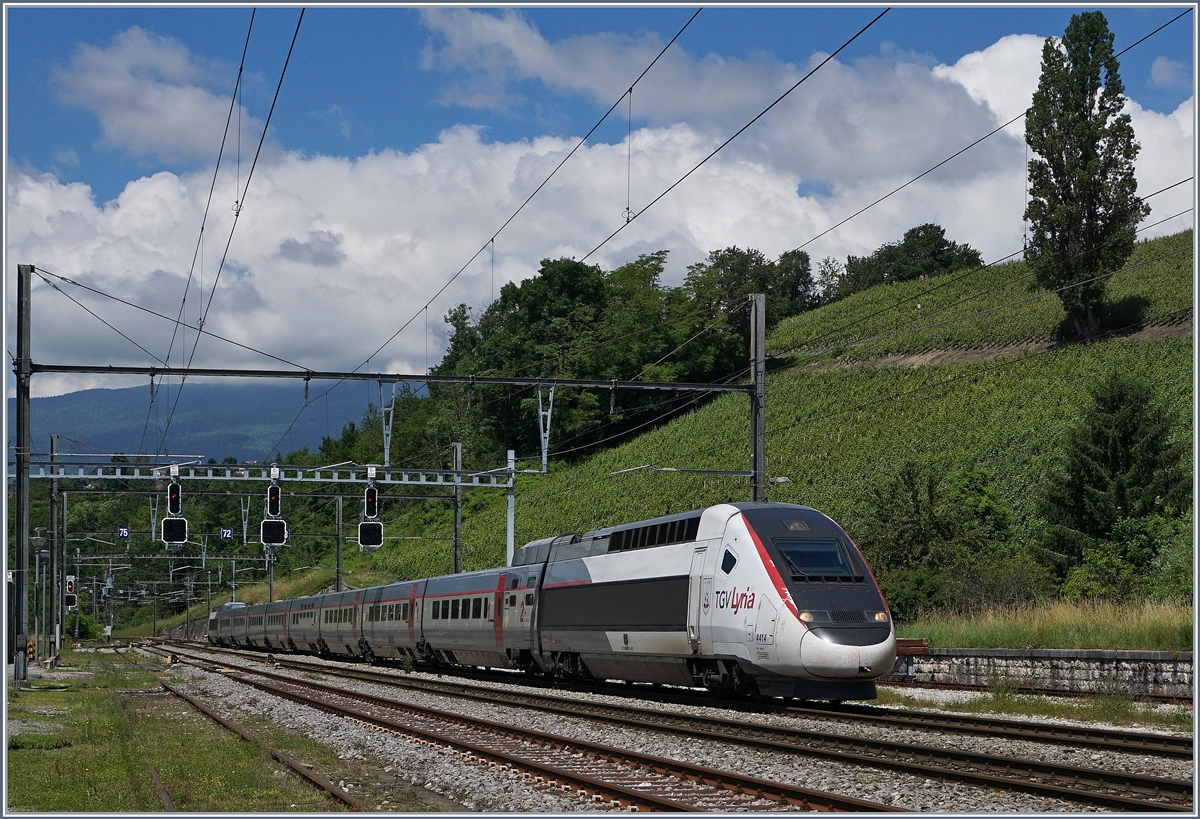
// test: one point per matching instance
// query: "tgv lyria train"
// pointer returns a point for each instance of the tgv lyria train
(756, 597)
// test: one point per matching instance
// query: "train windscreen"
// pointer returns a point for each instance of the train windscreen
(815, 557)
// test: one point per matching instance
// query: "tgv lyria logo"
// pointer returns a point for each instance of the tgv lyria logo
(734, 599)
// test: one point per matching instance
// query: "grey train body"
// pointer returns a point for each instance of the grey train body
(753, 597)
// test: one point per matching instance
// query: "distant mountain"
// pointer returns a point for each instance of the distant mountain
(246, 421)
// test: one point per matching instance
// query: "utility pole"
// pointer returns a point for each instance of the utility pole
(338, 582)
(758, 421)
(511, 519)
(23, 367)
(55, 547)
(457, 448)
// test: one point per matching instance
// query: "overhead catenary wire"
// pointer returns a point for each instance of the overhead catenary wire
(962, 151)
(738, 133)
(946, 281)
(529, 198)
(199, 249)
(233, 228)
(148, 311)
(91, 313)
(629, 92)
(491, 242)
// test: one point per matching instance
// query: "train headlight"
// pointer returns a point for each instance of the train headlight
(880, 617)
(806, 616)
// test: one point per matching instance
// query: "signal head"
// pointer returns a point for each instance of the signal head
(273, 533)
(174, 530)
(273, 500)
(174, 499)
(371, 502)
(370, 534)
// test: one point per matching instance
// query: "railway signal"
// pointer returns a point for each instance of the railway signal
(174, 499)
(273, 532)
(370, 534)
(70, 599)
(174, 531)
(273, 500)
(371, 503)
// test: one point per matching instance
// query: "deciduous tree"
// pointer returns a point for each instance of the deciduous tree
(1083, 206)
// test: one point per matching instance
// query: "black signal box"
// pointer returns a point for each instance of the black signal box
(370, 533)
(273, 532)
(174, 530)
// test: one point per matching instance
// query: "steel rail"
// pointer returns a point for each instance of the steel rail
(1086, 785)
(312, 776)
(1171, 746)
(1076, 736)
(1021, 774)
(723, 782)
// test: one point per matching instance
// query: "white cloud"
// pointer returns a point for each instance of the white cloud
(150, 97)
(1003, 76)
(1168, 156)
(333, 254)
(1168, 73)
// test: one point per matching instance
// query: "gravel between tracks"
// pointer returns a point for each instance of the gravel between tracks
(479, 788)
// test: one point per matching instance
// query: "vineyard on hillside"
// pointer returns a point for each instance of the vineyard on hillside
(986, 306)
(835, 434)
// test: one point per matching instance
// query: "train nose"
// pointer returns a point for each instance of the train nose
(824, 658)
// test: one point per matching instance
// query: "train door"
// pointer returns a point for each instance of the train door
(696, 596)
(706, 601)
(498, 608)
(518, 614)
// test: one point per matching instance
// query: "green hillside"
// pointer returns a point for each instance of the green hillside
(837, 432)
(986, 306)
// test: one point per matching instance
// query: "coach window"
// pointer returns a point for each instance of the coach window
(437, 611)
(404, 612)
(529, 599)
(477, 608)
(516, 581)
(445, 609)
(454, 610)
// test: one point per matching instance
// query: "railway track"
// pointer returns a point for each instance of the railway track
(1101, 788)
(303, 771)
(1104, 739)
(611, 777)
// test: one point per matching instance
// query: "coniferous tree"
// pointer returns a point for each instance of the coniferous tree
(1083, 206)
(1120, 464)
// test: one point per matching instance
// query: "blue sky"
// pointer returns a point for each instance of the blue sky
(403, 138)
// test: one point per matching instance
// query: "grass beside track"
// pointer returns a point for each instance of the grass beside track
(1147, 626)
(85, 744)
(1001, 699)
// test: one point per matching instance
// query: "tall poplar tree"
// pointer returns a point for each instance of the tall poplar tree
(1083, 204)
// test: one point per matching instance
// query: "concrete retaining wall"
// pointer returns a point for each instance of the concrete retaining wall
(1160, 673)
